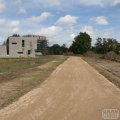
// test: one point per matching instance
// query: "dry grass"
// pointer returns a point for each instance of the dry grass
(12, 68)
(112, 56)
(12, 89)
(110, 69)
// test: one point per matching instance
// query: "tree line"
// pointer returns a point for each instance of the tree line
(58, 50)
(82, 44)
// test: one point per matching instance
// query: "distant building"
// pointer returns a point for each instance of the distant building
(3, 51)
(24, 46)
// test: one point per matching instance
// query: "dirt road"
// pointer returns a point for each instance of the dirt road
(75, 91)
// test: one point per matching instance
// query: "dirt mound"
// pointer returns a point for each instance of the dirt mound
(111, 56)
(90, 54)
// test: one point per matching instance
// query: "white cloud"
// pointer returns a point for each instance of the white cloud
(14, 30)
(18, 1)
(2, 6)
(100, 20)
(48, 3)
(14, 23)
(9, 23)
(87, 2)
(88, 29)
(2, 21)
(72, 36)
(35, 3)
(107, 33)
(22, 10)
(9, 26)
(50, 32)
(101, 3)
(41, 18)
(90, 2)
(67, 20)
(59, 4)
(116, 2)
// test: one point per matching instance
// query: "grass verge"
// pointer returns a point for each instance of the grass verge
(32, 77)
(109, 69)
(11, 68)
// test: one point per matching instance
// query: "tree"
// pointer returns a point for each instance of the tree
(81, 44)
(58, 50)
(104, 45)
(118, 48)
(15, 35)
(64, 49)
(55, 49)
(99, 46)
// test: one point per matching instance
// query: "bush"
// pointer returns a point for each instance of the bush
(70, 54)
(111, 56)
(91, 54)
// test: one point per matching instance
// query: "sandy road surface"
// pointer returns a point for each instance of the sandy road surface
(75, 91)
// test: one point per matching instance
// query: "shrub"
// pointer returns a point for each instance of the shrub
(111, 56)
(91, 54)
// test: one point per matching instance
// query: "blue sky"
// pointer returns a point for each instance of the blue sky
(60, 20)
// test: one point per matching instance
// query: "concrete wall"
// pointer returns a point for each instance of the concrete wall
(3, 51)
(30, 44)
(16, 49)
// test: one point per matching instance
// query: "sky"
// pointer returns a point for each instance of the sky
(60, 20)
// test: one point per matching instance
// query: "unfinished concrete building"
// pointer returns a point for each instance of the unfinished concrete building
(24, 46)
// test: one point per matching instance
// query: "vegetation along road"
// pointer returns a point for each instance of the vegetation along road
(74, 91)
